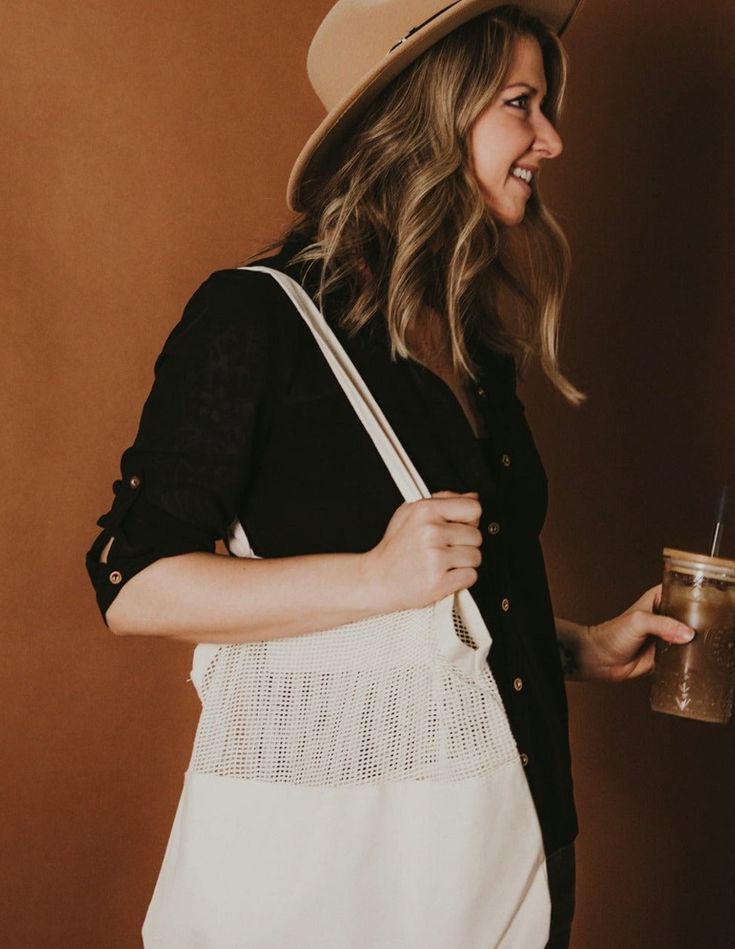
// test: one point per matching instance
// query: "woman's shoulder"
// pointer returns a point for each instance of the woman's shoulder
(239, 308)
(251, 293)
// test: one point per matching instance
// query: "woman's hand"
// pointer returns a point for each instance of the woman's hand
(623, 647)
(431, 548)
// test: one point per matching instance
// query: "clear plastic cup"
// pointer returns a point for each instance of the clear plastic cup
(696, 680)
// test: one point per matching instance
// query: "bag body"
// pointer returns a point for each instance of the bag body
(354, 787)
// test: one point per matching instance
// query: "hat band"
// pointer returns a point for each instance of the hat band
(415, 29)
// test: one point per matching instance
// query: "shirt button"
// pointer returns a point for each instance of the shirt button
(524, 758)
(115, 577)
(505, 604)
(134, 481)
(505, 459)
(518, 684)
(493, 528)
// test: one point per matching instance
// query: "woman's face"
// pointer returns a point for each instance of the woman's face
(512, 136)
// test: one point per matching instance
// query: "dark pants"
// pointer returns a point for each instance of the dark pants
(561, 868)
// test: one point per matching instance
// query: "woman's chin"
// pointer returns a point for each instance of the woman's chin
(506, 219)
(505, 211)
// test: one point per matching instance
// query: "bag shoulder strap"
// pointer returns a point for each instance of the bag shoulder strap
(397, 461)
(400, 466)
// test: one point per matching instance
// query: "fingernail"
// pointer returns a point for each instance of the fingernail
(685, 635)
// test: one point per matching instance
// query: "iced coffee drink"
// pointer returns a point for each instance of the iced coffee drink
(696, 680)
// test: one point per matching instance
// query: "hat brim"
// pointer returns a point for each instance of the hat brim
(314, 158)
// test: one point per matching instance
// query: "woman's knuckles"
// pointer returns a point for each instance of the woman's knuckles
(466, 577)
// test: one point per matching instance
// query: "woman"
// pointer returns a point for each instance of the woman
(423, 239)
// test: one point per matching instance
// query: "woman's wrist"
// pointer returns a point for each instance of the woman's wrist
(369, 586)
(570, 638)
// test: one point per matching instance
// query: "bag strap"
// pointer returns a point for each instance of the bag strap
(400, 466)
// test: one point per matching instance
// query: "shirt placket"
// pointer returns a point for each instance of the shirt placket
(506, 658)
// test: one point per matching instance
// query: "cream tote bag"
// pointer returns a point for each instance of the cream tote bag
(357, 787)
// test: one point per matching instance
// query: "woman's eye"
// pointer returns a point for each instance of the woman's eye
(520, 102)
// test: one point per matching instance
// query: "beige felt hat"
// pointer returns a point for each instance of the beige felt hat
(362, 45)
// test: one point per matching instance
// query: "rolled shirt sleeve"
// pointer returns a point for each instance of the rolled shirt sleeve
(209, 408)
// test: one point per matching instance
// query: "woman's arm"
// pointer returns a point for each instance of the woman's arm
(620, 648)
(218, 382)
(202, 597)
(429, 550)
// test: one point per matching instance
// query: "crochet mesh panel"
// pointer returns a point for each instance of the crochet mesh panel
(372, 701)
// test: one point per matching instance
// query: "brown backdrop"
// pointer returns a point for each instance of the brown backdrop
(147, 144)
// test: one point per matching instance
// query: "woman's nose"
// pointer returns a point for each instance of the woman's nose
(548, 139)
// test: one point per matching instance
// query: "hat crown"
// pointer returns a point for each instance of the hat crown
(355, 36)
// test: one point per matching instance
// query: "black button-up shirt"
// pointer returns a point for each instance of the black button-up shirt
(246, 420)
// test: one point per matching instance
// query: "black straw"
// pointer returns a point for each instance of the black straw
(720, 520)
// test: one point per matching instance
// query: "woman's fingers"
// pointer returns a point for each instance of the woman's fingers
(647, 621)
(663, 627)
(461, 535)
(455, 494)
(464, 508)
(460, 579)
(429, 547)
(463, 557)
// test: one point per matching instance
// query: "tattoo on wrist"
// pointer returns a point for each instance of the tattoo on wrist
(569, 663)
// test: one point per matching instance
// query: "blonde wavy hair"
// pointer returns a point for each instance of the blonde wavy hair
(402, 224)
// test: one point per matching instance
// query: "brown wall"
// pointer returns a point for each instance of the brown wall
(149, 143)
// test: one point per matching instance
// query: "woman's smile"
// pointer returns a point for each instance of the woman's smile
(522, 176)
